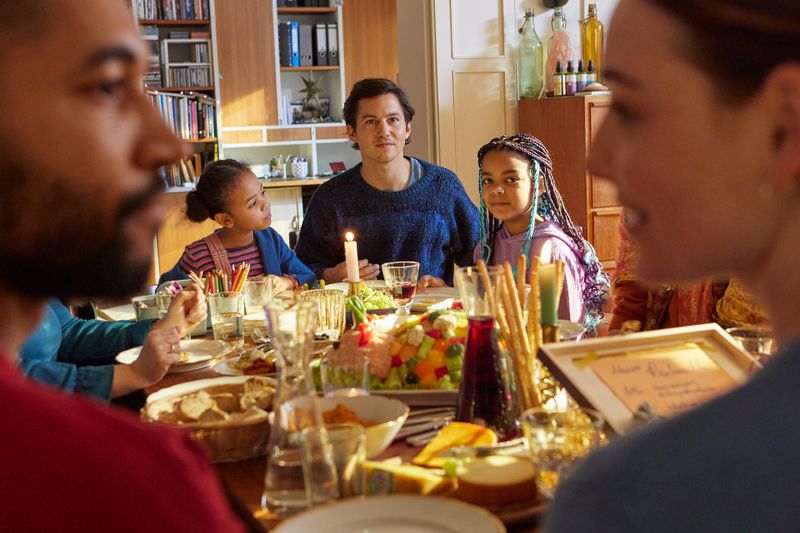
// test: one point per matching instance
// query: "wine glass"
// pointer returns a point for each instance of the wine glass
(558, 440)
(401, 278)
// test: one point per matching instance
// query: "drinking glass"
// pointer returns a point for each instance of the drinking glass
(401, 278)
(345, 376)
(330, 311)
(227, 316)
(163, 301)
(558, 440)
(257, 294)
(758, 341)
(320, 473)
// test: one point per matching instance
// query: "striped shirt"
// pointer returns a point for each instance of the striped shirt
(197, 258)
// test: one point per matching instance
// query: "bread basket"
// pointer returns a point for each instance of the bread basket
(225, 441)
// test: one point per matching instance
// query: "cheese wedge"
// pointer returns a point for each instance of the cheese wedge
(387, 478)
(497, 481)
(452, 435)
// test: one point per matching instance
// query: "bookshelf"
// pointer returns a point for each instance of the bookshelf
(183, 79)
(294, 126)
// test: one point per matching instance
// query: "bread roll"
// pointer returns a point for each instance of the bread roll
(496, 481)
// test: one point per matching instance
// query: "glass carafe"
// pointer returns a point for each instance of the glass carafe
(486, 393)
(291, 328)
(530, 60)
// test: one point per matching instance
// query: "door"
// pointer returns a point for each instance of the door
(474, 49)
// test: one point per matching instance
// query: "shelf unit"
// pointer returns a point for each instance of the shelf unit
(319, 142)
(175, 52)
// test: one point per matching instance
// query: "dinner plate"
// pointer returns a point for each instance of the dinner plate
(436, 298)
(396, 513)
(426, 397)
(345, 286)
(228, 368)
(201, 352)
(200, 384)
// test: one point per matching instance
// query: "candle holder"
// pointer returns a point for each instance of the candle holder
(355, 287)
(550, 334)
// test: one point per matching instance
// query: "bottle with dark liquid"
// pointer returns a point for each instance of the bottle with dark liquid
(486, 394)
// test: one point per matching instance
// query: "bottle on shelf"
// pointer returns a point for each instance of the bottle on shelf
(591, 75)
(558, 81)
(559, 47)
(580, 77)
(530, 57)
(570, 79)
(592, 39)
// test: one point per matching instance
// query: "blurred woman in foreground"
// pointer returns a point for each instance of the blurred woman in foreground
(703, 142)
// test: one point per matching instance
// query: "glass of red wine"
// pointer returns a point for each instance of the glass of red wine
(401, 278)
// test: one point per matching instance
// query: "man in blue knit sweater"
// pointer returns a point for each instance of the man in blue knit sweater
(399, 208)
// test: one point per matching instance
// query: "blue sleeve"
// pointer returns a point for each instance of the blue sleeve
(85, 340)
(93, 381)
(176, 273)
(290, 264)
(313, 248)
(467, 227)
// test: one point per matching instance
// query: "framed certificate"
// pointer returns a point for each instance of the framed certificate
(664, 372)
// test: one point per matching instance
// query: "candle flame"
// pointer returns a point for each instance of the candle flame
(348, 236)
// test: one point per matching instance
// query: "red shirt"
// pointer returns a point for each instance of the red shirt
(70, 464)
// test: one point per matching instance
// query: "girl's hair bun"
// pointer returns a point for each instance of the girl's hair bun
(196, 210)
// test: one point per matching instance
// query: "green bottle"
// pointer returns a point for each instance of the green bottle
(530, 60)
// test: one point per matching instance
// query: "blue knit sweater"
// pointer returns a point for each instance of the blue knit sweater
(433, 222)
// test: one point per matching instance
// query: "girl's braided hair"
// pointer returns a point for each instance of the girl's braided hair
(550, 206)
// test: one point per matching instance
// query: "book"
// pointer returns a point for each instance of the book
(320, 44)
(295, 34)
(285, 44)
(333, 44)
(306, 47)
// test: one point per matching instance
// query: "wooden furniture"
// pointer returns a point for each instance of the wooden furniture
(174, 55)
(566, 126)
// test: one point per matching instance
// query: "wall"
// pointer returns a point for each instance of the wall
(416, 73)
(417, 59)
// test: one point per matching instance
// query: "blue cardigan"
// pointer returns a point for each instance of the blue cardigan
(433, 221)
(54, 352)
(277, 257)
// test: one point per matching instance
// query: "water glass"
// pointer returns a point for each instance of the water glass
(401, 278)
(558, 440)
(758, 341)
(163, 301)
(320, 475)
(227, 316)
(257, 293)
(344, 376)
(330, 311)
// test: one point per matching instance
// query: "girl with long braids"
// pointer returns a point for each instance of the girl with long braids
(522, 213)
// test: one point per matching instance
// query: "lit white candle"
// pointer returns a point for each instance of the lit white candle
(351, 258)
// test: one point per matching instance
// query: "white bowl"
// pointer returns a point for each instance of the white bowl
(387, 414)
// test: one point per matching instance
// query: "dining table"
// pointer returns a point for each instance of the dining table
(245, 479)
